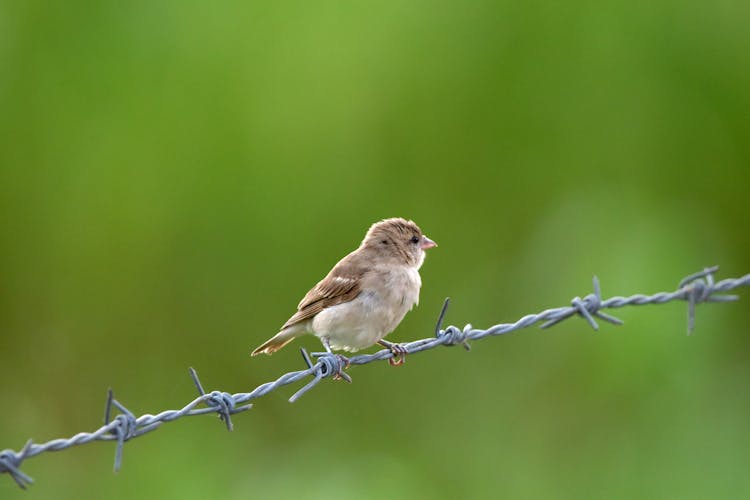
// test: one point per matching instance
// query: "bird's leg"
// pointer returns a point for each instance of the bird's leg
(344, 361)
(398, 350)
(326, 344)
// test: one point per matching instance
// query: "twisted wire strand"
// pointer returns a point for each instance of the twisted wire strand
(694, 289)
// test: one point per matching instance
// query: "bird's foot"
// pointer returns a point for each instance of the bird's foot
(342, 361)
(344, 364)
(334, 364)
(399, 352)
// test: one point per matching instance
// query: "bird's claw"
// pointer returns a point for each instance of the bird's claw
(333, 365)
(399, 355)
(344, 364)
(399, 352)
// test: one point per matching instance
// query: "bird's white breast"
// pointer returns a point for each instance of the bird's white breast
(387, 295)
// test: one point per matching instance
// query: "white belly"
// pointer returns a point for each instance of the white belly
(386, 298)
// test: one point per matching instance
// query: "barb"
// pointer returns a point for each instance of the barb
(694, 289)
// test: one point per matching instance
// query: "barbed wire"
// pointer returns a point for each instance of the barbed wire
(695, 289)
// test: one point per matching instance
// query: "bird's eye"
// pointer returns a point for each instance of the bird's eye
(415, 239)
(384, 242)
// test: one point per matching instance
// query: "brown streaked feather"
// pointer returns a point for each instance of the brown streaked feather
(341, 285)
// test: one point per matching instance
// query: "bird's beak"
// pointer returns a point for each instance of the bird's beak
(427, 243)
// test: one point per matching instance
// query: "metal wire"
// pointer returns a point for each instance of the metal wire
(695, 289)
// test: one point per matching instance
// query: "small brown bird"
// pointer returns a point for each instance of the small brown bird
(365, 296)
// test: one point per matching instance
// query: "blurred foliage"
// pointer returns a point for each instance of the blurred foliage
(175, 175)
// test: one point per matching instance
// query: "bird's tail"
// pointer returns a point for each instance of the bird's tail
(276, 342)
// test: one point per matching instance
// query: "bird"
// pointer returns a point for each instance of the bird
(366, 294)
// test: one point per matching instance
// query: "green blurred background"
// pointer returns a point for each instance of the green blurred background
(174, 176)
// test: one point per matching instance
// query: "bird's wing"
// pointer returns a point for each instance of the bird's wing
(341, 285)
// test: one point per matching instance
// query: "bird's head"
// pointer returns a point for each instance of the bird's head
(398, 240)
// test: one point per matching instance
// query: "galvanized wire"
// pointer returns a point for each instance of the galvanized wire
(695, 289)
